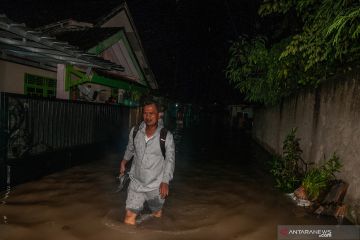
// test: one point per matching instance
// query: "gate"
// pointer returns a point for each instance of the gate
(32, 127)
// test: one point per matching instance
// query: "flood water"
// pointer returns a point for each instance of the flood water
(220, 191)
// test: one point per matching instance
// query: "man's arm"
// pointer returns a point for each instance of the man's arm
(169, 165)
(128, 153)
(123, 166)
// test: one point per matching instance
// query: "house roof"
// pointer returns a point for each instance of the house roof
(19, 41)
(43, 12)
(86, 38)
(48, 16)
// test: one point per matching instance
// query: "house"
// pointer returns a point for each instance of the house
(111, 44)
(30, 60)
(111, 36)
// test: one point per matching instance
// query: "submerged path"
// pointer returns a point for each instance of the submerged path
(220, 191)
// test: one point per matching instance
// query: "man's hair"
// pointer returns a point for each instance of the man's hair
(150, 102)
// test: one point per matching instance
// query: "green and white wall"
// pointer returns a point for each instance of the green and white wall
(13, 76)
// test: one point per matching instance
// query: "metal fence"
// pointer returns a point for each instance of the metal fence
(31, 126)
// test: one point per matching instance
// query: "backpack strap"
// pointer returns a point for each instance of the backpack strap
(163, 133)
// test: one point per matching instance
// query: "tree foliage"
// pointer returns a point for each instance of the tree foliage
(258, 72)
(328, 42)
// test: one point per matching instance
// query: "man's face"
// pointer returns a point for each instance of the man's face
(150, 115)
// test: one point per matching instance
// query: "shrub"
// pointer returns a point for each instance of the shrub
(288, 169)
(317, 180)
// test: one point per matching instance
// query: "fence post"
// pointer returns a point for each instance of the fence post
(3, 140)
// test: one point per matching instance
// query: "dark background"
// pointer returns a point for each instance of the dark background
(187, 44)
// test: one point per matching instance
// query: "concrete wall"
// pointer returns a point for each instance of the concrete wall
(328, 121)
(12, 76)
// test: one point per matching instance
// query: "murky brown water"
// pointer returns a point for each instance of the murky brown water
(219, 192)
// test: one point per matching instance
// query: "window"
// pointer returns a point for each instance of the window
(39, 86)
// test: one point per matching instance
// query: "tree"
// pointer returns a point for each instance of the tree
(327, 43)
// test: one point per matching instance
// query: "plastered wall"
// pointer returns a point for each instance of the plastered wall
(328, 121)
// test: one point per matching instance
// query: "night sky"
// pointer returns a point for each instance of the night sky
(187, 44)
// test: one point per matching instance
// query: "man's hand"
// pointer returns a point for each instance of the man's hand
(164, 190)
(123, 167)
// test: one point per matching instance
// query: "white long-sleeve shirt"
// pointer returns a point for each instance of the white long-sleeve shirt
(149, 168)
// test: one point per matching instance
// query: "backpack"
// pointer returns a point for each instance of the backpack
(163, 133)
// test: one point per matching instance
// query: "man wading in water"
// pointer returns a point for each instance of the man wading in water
(151, 171)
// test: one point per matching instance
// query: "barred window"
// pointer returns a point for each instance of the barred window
(39, 86)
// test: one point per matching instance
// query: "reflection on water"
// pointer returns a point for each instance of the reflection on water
(220, 191)
(4, 198)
